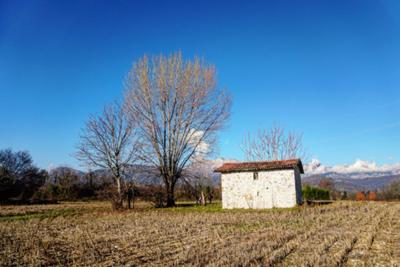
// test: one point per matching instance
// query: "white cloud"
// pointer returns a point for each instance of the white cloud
(359, 167)
(51, 166)
(202, 147)
(205, 168)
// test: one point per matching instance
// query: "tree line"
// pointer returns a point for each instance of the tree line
(19, 177)
(22, 183)
(326, 190)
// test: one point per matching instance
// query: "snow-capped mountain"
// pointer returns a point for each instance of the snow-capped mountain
(360, 169)
(359, 176)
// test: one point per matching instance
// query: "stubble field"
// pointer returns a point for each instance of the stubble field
(88, 234)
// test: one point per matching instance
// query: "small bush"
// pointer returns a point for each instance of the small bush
(372, 196)
(361, 196)
(315, 193)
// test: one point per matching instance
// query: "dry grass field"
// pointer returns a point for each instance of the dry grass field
(88, 234)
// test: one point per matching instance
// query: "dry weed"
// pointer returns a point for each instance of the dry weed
(342, 234)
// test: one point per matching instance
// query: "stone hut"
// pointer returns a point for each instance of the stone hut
(261, 184)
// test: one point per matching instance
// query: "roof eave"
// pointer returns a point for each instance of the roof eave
(255, 170)
(298, 164)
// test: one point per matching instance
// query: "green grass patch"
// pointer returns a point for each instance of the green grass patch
(217, 207)
(193, 207)
(39, 215)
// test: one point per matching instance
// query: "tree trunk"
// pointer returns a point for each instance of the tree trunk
(117, 202)
(171, 196)
(130, 198)
(202, 199)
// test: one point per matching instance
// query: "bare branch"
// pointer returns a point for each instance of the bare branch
(110, 141)
(273, 144)
(179, 110)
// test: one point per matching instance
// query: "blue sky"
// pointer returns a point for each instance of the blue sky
(329, 69)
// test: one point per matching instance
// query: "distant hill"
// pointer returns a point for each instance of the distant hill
(359, 176)
(352, 184)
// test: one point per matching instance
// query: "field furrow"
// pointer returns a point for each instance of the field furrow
(341, 234)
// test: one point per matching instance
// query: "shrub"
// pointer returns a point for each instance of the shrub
(360, 196)
(372, 196)
(315, 193)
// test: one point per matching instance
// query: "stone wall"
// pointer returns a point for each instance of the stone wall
(298, 186)
(271, 189)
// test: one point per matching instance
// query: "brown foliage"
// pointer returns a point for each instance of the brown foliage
(360, 196)
(369, 195)
(372, 196)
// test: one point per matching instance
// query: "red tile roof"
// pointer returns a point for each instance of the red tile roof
(261, 166)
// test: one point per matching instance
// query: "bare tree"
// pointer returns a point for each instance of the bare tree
(273, 144)
(179, 110)
(110, 141)
(198, 177)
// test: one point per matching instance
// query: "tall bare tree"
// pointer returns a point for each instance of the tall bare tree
(179, 110)
(110, 141)
(273, 144)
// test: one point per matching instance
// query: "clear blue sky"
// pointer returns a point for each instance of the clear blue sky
(330, 69)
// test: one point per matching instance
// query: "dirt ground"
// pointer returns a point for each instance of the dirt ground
(89, 234)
